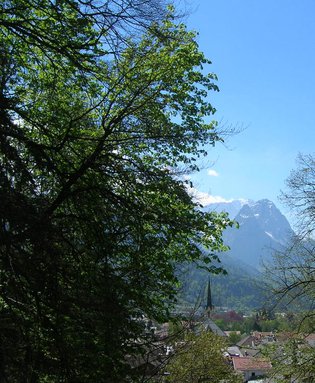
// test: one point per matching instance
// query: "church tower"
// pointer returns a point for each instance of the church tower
(209, 305)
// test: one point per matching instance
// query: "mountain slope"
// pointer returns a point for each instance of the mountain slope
(262, 231)
(241, 289)
(232, 207)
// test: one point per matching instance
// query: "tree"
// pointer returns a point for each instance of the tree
(299, 195)
(293, 274)
(200, 359)
(94, 124)
(293, 362)
(293, 271)
(234, 337)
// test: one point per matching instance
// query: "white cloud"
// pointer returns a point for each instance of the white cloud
(186, 177)
(205, 198)
(212, 173)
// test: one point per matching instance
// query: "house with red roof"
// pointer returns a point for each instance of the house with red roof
(251, 368)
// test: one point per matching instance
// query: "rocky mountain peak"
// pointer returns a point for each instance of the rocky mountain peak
(263, 229)
(267, 217)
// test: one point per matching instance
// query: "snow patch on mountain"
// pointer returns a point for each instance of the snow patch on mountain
(269, 234)
(263, 229)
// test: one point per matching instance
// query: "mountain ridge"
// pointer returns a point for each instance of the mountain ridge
(263, 229)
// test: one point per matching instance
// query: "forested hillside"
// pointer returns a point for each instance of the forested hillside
(262, 232)
(240, 289)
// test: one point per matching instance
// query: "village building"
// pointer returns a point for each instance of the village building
(207, 323)
(251, 368)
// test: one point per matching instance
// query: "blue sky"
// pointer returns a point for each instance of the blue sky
(263, 53)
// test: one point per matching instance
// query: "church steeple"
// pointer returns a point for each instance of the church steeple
(209, 305)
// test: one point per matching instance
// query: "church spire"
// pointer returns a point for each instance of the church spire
(209, 305)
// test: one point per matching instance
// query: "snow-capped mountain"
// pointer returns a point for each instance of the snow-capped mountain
(263, 229)
(267, 217)
(232, 207)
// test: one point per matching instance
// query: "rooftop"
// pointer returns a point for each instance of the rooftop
(249, 363)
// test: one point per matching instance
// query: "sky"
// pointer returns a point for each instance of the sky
(263, 52)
